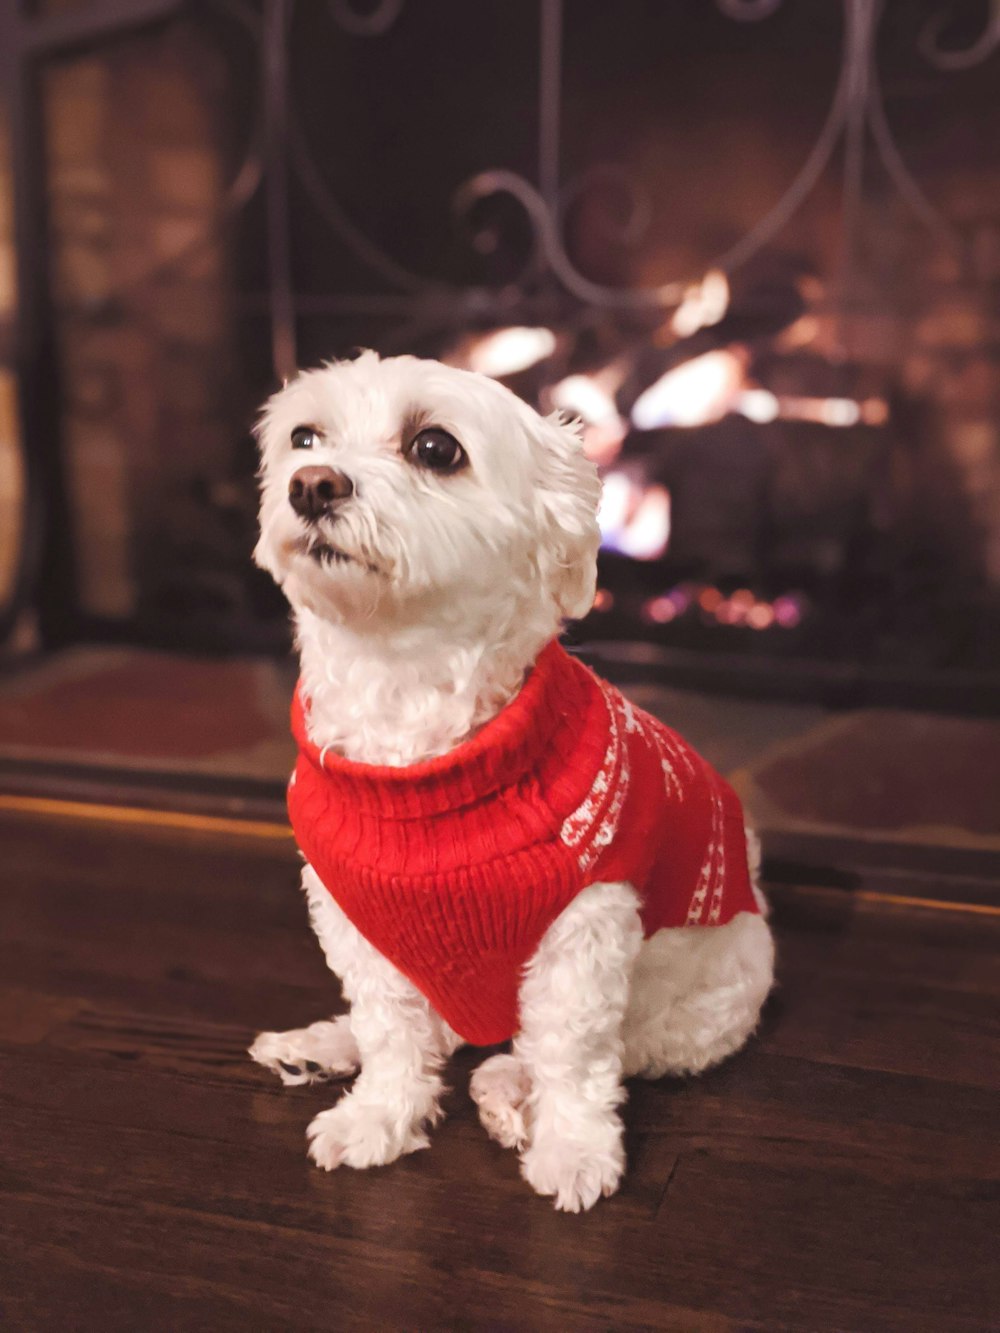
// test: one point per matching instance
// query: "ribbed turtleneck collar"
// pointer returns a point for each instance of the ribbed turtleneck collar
(501, 754)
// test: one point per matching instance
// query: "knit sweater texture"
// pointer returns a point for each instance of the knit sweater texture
(455, 867)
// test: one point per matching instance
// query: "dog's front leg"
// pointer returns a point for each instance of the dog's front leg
(402, 1044)
(396, 1097)
(572, 1002)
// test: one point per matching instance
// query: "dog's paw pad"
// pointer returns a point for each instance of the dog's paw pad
(504, 1124)
(308, 1055)
(499, 1087)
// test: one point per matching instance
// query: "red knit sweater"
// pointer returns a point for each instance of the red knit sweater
(454, 868)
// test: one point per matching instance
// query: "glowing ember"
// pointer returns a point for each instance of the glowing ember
(660, 610)
(761, 616)
(729, 612)
(788, 611)
(741, 608)
(692, 394)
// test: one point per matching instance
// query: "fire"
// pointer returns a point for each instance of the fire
(634, 520)
(760, 405)
(704, 304)
(692, 394)
(591, 398)
(506, 351)
(585, 396)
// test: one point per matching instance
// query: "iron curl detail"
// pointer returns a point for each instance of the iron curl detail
(638, 208)
(548, 249)
(372, 24)
(954, 60)
(749, 11)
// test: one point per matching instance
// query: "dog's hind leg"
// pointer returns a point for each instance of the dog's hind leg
(697, 993)
(314, 1054)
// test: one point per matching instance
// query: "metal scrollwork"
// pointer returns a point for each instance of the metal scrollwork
(277, 149)
(550, 247)
(637, 205)
(748, 11)
(371, 24)
(954, 60)
(856, 112)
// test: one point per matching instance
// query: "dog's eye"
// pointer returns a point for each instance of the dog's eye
(437, 450)
(304, 437)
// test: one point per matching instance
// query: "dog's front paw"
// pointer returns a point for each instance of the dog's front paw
(576, 1172)
(352, 1134)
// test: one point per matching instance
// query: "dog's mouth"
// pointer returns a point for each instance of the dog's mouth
(327, 557)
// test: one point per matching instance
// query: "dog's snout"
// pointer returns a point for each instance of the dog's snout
(315, 491)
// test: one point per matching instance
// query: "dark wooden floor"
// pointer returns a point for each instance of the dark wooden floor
(839, 1174)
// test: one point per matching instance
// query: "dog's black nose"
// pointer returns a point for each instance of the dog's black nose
(315, 491)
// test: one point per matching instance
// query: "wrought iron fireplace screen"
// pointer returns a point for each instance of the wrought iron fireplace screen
(539, 325)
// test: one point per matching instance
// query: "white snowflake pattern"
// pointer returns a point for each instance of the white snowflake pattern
(712, 876)
(593, 824)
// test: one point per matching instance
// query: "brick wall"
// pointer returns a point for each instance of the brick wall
(10, 456)
(136, 181)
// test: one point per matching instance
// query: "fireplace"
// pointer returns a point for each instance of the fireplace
(753, 246)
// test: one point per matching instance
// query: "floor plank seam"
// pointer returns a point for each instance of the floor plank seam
(661, 1202)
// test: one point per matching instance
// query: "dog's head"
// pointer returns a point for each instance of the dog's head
(391, 486)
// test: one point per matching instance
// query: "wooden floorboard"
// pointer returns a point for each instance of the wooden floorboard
(841, 1173)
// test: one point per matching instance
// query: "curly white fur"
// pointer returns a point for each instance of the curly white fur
(447, 589)
(455, 583)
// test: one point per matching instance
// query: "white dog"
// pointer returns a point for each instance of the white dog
(432, 533)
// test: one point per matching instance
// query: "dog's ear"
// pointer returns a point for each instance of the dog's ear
(567, 496)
